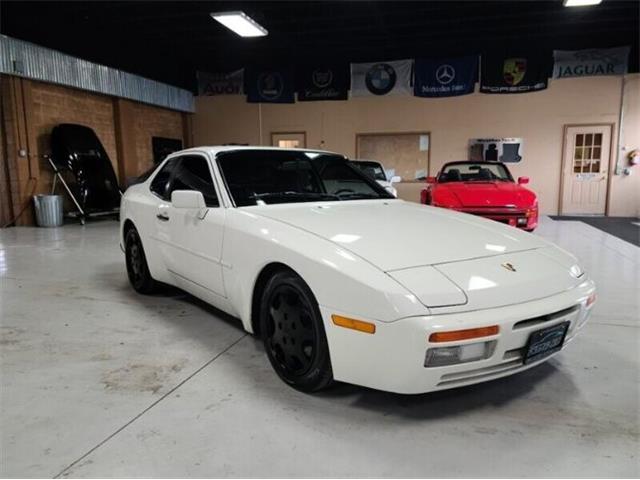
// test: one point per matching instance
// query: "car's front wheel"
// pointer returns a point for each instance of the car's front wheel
(137, 268)
(293, 333)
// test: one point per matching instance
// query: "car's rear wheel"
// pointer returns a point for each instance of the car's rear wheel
(293, 333)
(137, 268)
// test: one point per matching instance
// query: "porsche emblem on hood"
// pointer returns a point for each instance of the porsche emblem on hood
(509, 267)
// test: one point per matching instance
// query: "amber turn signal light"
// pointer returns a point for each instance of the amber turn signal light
(456, 335)
(591, 300)
(353, 324)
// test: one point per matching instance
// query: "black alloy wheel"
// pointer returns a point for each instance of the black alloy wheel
(137, 268)
(293, 333)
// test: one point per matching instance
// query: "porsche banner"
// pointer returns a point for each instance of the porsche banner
(323, 82)
(214, 84)
(445, 77)
(514, 73)
(382, 78)
(581, 63)
(275, 85)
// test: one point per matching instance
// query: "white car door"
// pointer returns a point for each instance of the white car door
(191, 239)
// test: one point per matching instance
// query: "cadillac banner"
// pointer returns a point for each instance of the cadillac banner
(513, 74)
(269, 85)
(323, 82)
(446, 77)
(382, 78)
(213, 84)
(579, 63)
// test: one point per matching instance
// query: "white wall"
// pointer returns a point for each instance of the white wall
(538, 117)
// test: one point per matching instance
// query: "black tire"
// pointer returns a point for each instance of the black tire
(137, 268)
(293, 333)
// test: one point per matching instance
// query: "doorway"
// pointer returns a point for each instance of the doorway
(585, 169)
(289, 139)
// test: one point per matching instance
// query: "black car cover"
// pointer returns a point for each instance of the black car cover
(77, 149)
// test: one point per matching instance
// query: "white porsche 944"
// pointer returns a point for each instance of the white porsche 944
(345, 282)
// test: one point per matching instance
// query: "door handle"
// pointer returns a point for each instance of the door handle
(163, 216)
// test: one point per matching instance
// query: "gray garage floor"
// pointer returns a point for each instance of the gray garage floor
(100, 382)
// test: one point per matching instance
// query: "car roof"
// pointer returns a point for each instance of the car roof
(215, 149)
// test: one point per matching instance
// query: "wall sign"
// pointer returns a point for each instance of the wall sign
(214, 84)
(445, 77)
(382, 78)
(508, 150)
(323, 82)
(580, 63)
(514, 73)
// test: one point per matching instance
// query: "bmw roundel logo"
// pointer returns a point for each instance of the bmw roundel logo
(270, 85)
(381, 78)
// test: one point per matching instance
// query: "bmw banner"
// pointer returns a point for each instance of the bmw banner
(581, 63)
(514, 73)
(269, 85)
(323, 82)
(446, 77)
(382, 78)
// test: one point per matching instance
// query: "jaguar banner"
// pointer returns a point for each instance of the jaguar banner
(514, 73)
(323, 82)
(580, 63)
(445, 77)
(213, 84)
(269, 85)
(382, 78)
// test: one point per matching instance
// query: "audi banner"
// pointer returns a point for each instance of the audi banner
(445, 77)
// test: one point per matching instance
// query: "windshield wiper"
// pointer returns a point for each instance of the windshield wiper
(356, 195)
(292, 194)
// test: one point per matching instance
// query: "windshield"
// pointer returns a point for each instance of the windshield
(474, 172)
(373, 169)
(258, 177)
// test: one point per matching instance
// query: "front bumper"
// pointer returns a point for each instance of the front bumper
(393, 358)
(525, 219)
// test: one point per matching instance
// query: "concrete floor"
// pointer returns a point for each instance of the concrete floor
(97, 381)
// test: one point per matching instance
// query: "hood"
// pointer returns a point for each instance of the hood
(488, 194)
(394, 234)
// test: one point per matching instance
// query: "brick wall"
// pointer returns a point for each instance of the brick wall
(52, 104)
(153, 122)
(30, 111)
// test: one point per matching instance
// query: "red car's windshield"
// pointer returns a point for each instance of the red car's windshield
(474, 172)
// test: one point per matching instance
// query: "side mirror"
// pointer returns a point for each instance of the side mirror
(431, 179)
(395, 179)
(523, 180)
(187, 199)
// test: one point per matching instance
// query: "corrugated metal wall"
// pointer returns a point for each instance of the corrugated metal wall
(25, 59)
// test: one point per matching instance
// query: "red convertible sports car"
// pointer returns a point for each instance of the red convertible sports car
(486, 189)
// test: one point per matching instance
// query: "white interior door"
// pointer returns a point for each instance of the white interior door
(585, 169)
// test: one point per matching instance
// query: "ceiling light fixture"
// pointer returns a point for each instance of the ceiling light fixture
(240, 23)
(580, 3)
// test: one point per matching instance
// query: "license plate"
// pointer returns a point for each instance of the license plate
(545, 342)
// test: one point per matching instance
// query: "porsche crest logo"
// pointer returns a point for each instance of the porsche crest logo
(513, 70)
(509, 267)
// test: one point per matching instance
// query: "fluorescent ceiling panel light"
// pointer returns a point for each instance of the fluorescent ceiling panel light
(240, 23)
(580, 3)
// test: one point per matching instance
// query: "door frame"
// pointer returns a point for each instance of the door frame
(381, 134)
(563, 160)
(303, 133)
